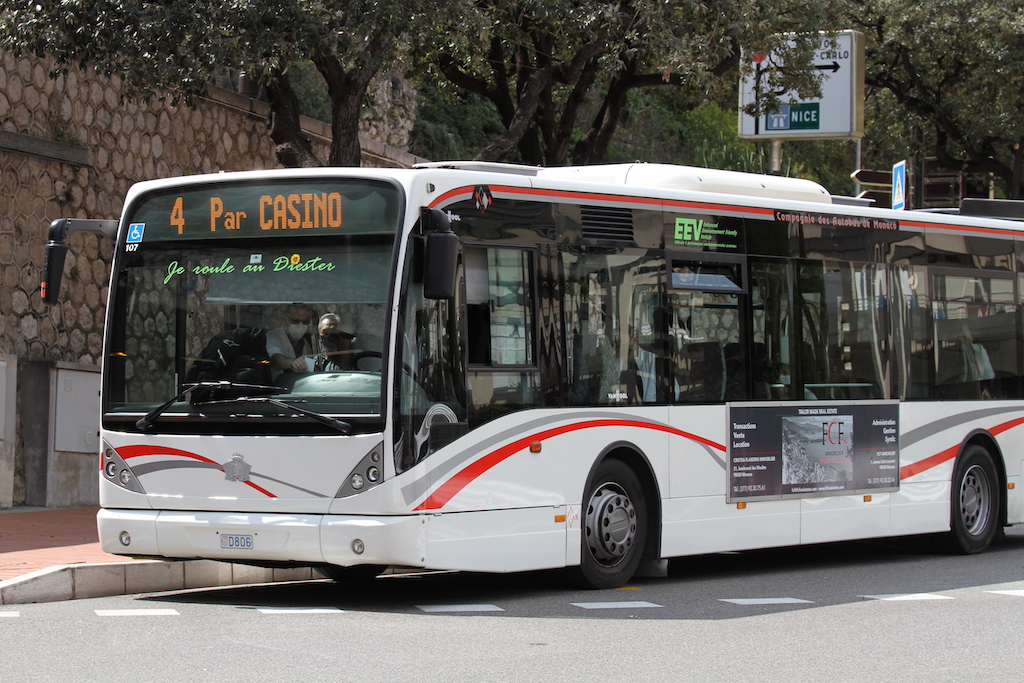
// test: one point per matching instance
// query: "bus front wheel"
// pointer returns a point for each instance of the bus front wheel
(614, 526)
(974, 502)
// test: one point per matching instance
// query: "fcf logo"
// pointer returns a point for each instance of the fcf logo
(832, 433)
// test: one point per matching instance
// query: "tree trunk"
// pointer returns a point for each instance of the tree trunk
(530, 98)
(503, 145)
(593, 146)
(292, 147)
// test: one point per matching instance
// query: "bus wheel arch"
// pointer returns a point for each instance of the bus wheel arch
(620, 514)
(977, 503)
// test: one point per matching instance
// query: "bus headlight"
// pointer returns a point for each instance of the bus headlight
(366, 474)
(117, 471)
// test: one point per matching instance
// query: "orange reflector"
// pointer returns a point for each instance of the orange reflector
(559, 519)
(119, 354)
(1011, 485)
(741, 506)
(867, 499)
(535, 447)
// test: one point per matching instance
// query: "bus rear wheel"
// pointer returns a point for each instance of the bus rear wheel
(614, 526)
(974, 502)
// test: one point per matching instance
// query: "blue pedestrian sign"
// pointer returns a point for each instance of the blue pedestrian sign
(899, 185)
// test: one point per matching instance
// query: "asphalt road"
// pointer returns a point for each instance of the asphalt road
(866, 611)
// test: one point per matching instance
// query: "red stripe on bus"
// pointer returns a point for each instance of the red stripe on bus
(703, 206)
(136, 451)
(928, 463)
(999, 429)
(591, 196)
(756, 210)
(963, 228)
(464, 477)
(950, 453)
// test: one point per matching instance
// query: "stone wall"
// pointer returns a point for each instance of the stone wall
(69, 147)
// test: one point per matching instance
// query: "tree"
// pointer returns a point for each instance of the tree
(955, 70)
(540, 61)
(162, 47)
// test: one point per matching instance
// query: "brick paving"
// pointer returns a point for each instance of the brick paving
(37, 538)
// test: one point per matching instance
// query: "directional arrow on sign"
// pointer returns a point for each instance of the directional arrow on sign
(866, 177)
(833, 67)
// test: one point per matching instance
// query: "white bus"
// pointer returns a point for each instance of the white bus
(529, 368)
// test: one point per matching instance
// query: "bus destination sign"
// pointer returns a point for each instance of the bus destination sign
(267, 210)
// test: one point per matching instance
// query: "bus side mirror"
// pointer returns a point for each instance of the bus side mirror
(441, 256)
(57, 250)
(53, 271)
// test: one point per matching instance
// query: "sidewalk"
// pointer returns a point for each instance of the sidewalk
(48, 555)
(38, 538)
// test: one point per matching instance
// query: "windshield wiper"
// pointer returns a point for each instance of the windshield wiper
(201, 392)
(341, 426)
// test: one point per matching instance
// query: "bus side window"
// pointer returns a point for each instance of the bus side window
(706, 310)
(977, 349)
(500, 331)
(615, 348)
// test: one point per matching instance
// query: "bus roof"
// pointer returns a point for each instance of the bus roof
(664, 176)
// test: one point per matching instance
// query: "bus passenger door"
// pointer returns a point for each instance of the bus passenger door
(500, 332)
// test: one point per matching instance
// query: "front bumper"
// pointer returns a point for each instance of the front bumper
(262, 537)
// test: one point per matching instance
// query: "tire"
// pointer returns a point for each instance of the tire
(974, 503)
(614, 526)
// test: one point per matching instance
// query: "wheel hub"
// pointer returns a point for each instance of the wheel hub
(974, 497)
(611, 524)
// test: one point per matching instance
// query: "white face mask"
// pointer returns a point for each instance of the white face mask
(295, 331)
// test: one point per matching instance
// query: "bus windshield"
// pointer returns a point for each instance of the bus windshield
(262, 306)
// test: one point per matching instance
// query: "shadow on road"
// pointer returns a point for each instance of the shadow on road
(827, 574)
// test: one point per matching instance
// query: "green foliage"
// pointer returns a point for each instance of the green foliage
(952, 70)
(311, 89)
(537, 62)
(174, 48)
(656, 131)
(452, 126)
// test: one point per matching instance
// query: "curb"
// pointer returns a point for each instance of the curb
(78, 581)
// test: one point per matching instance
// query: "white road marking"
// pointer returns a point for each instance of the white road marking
(460, 608)
(137, 613)
(10, 613)
(635, 604)
(1018, 593)
(898, 597)
(766, 601)
(299, 610)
